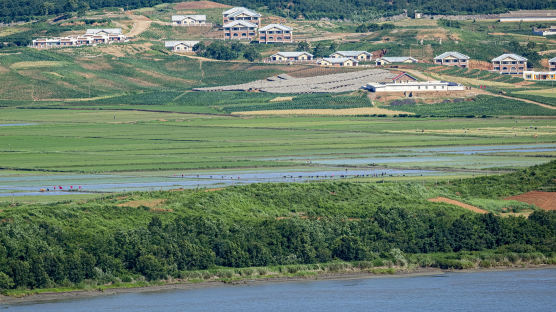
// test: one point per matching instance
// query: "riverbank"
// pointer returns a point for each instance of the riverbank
(394, 272)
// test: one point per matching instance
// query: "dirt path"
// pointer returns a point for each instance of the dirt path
(457, 203)
(140, 24)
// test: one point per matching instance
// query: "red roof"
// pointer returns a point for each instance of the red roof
(403, 74)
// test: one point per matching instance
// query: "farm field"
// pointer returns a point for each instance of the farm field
(133, 143)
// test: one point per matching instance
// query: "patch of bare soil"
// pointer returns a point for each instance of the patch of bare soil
(475, 64)
(140, 24)
(457, 203)
(4, 69)
(151, 203)
(188, 5)
(141, 82)
(543, 200)
(282, 99)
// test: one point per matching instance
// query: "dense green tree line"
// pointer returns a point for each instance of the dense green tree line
(59, 244)
(13, 10)
(41, 255)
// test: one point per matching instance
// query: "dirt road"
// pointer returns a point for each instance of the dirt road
(140, 24)
(457, 203)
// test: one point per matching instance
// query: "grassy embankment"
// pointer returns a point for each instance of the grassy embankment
(269, 230)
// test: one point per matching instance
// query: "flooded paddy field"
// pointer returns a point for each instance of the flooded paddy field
(57, 152)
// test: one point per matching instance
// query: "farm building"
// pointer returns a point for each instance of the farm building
(92, 36)
(180, 46)
(533, 75)
(240, 30)
(357, 55)
(291, 57)
(528, 19)
(414, 86)
(452, 59)
(275, 33)
(113, 34)
(189, 20)
(552, 64)
(510, 63)
(338, 61)
(387, 60)
(241, 14)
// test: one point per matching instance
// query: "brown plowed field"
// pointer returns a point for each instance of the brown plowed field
(200, 5)
(543, 200)
(457, 203)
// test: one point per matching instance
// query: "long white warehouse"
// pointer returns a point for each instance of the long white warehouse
(414, 86)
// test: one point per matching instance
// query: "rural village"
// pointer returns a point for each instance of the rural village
(243, 24)
(158, 145)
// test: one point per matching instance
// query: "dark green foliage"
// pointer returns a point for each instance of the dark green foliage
(374, 27)
(11, 10)
(449, 23)
(251, 54)
(539, 177)
(45, 245)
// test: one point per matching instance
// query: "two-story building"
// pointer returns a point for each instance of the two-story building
(275, 33)
(241, 14)
(452, 59)
(509, 63)
(360, 56)
(189, 20)
(338, 62)
(291, 57)
(240, 30)
(388, 60)
(180, 45)
(552, 64)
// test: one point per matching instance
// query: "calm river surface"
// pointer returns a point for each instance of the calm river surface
(527, 290)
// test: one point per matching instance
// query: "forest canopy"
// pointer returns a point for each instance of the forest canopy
(17, 10)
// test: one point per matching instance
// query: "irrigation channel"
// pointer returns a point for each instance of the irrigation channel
(411, 162)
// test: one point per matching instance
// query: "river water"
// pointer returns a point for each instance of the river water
(527, 290)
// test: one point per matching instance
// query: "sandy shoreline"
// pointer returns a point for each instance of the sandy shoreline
(79, 294)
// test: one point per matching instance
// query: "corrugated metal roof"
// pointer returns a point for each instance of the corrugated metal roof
(279, 26)
(351, 53)
(509, 55)
(171, 44)
(113, 31)
(397, 59)
(239, 10)
(336, 60)
(454, 54)
(176, 18)
(293, 54)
